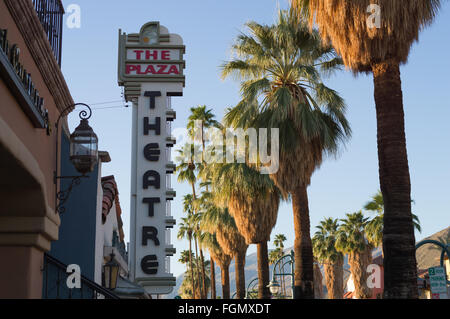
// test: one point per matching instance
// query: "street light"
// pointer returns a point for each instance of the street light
(274, 287)
(111, 273)
(83, 153)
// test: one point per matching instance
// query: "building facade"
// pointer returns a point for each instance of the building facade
(91, 235)
(33, 93)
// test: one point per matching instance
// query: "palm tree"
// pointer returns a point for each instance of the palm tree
(186, 290)
(252, 199)
(186, 173)
(318, 282)
(324, 248)
(374, 228)
(185, 257)
(186, 166)
(197, 218)
(351, 240)
(186, 230)
(280, 66)
(207, 119)
(219, 221)
(276, 254)
(279, 241)
(221, 258)
(381, 50)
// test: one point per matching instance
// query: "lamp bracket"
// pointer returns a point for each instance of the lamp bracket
(63, 195)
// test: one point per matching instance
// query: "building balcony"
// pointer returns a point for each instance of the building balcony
(50, 13)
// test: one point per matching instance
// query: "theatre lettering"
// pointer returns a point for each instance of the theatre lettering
(153, 69)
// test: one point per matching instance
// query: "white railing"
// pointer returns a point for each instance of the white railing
(168, 264)
(168, 208)
(169, 181)
(168, 237)
(169, 128)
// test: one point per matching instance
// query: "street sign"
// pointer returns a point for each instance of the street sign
(438, 282)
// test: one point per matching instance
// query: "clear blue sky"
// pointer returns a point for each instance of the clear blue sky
(208, 27)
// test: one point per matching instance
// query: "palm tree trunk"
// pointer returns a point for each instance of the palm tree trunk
(213, 279)
(225, 274)
(199, 288)
(240, 274)
(358, 266)
(202, 260)
(318, 287)
(191, 266)
(400, 266)
(193, 191)
(263, 271)
(334, 277)
(304, 269)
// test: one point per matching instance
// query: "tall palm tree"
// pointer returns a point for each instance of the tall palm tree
(380, 50)
(219, 221)
(324, 248)
(186, 166)
(222, 259)
(278, 253)
(185, 257)
(186, 290)
(374, 228)
(197, 218)
(208, 242)
(318, 282)
(281, 67)
(213, 278)
(186, 230)
(252, 199)
(351, 240)
(186, 170)
(274, 255)
(207, 119)
(279, 241)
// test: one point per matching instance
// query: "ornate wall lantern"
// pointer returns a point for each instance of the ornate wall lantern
(83, 153)
(84, 148)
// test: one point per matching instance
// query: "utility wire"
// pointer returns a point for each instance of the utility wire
(110, 107)
(102, 103)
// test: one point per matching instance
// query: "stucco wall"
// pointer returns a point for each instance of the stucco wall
(41, 146)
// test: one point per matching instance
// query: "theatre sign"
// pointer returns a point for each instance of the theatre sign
(151, 69)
